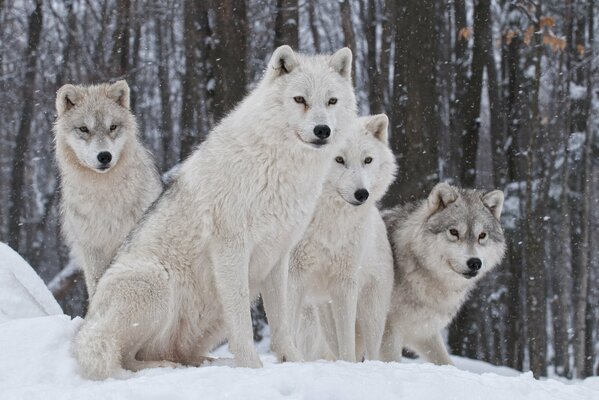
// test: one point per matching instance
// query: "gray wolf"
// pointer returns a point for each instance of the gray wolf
(107, 178)
(343, 264)
(222, 232)
(442, 246)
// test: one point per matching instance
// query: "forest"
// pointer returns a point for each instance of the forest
(480, 93)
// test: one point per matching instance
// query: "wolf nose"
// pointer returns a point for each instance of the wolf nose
(474, 264)
(322, 131)
(361, 195)
(104, 157)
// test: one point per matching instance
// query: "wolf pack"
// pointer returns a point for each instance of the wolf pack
(280, 201)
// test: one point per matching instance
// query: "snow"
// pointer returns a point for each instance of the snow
(36, 364)
(23, 294)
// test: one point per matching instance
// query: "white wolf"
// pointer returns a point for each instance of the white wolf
(222, 232)
(345, 254)
(107, 177)
(441, 247)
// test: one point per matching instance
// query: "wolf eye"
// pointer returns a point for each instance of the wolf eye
(482, 236)
(84, 129)
(367, 160)
(340, 160)
(332, 100)
(454, 232)
(299, 99)
(113, 127)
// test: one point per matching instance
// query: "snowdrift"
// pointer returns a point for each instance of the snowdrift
(35, 363)
(23, 294)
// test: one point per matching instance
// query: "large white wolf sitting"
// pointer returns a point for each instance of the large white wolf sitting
(344, 265)
(222, 232)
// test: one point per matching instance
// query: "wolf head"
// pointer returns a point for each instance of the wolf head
(365, 166)
(462, 233)
(314, 93)
(94, 123)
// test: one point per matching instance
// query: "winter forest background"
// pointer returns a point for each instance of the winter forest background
(488, 93)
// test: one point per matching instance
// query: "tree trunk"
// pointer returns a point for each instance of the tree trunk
(581, 269)
(414, 120)
(348, 30)
(229, 55)
(189, 87)
(287, 24)
(375, 89)
(121, 35)
(166, 125)
(22, 143)
(471, 101)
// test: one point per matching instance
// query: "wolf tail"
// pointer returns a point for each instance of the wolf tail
(97, 352)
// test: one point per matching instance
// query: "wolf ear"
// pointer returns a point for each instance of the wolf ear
(119, 92)
(283, 61)
(66, 98)
(441, 196)
(341, 62)
(494, 202)
(378, 126)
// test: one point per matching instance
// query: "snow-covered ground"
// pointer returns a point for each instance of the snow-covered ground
(35, 364)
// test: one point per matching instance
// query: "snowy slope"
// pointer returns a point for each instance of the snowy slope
(35, 364)
(23, 294)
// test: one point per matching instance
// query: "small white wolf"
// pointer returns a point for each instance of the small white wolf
(441, 247)
(344, 265)
(222, 232)
(107, 177)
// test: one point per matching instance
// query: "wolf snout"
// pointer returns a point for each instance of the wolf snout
(474, 264)
(104, 157)
(322, 131)
(361, 195)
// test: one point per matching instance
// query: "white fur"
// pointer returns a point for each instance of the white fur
(345, 254)
(222, 232)
(100, 206)
(431, 263)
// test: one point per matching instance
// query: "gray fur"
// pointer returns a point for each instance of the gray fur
(431, 272)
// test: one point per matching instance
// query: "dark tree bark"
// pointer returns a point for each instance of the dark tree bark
(121, 36)
(22, 143)
(373, 68)
(471, 101)
(414, 121)
(164, 88)
(348, 30)
(287, 24)
(189, 96)
(230, 35)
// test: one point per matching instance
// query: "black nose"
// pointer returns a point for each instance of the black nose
(361, 195)
(104, 157)
(322, 131)
(474, 264)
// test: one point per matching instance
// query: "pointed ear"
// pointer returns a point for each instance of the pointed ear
(378, 126)
(67, 97)
(341, 62)
(441, 196)
(283, 61)
(119, 92)
(494, 202)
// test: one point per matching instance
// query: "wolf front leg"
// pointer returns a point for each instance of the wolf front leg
(433, 350)
(274, 295)
(231, 276)
(344, 305)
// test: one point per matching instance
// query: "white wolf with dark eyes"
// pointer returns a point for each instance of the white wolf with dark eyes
(107, 177)
(341, 273)
(222, 232)
(441, 246)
